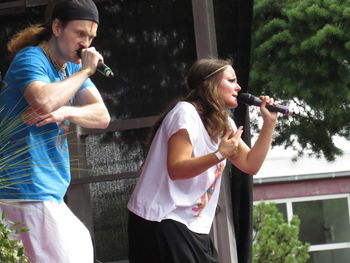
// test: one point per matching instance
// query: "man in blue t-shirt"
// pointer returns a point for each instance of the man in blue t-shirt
(49, 88)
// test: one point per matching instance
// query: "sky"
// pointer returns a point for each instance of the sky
(279, 162)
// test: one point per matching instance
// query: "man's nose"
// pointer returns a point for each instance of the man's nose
(85, 42)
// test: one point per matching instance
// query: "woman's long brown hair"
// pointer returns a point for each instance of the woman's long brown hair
(204, 96)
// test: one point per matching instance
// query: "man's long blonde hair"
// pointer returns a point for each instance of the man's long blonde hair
(30, 36)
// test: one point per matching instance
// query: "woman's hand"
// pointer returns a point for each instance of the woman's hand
(268, 116)
(229, 146)
(183, 165)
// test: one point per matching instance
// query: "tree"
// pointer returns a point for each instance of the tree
(276, 241)
(300, 54)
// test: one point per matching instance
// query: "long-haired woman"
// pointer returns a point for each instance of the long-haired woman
(173, 204)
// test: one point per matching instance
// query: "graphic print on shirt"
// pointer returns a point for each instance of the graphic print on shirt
(63, 128)
(207, 195)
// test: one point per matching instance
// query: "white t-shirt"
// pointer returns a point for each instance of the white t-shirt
(190, 201)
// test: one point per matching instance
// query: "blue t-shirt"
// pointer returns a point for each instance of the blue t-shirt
(34, 161)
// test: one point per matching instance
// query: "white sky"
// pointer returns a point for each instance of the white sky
(279, 162)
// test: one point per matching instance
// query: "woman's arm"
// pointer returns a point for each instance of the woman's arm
(182, 165)
(251, 160)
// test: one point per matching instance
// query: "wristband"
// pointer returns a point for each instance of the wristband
(219, 155)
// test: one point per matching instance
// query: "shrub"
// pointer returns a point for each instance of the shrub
(274, 240)
(11, 248)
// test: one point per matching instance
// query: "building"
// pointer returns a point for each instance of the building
(318, 192)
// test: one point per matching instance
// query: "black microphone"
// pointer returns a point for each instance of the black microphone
(249, 99)
(101, 67)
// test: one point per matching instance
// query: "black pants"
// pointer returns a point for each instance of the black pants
(167, 241)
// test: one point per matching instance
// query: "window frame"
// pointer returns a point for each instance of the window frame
(289, 209)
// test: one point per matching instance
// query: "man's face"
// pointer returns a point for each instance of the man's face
(76, 34)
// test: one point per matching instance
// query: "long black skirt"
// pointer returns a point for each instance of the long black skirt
(167, 241)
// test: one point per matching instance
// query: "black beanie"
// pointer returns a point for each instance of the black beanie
(67, 10)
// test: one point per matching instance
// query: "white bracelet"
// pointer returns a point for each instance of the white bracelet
(219, 155)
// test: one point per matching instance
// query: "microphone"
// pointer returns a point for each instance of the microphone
(101, 67)
(249, 99)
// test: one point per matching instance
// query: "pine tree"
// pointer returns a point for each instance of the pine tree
(276, 241)
(300, 53)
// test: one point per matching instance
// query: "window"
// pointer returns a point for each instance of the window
(324, 223)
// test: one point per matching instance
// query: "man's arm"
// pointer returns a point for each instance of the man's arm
(89, 111)
(45, 98)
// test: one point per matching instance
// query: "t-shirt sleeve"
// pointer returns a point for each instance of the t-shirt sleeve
(29, 67)
(76, 67)
(182, 116)
(32, 65)
(87, 83)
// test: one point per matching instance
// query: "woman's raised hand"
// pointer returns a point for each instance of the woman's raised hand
(229, 145)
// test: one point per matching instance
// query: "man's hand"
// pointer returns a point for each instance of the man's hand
(31, 117)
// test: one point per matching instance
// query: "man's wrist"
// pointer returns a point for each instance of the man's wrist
(87, 70)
